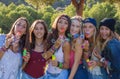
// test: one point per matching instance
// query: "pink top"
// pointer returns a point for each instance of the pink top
(36, 65)
(72, 58)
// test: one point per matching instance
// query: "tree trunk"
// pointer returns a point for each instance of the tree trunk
(79, 6)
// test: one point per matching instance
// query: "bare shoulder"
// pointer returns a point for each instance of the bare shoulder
(66, 44)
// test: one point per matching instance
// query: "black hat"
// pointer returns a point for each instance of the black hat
(108, 22)
(90, 20)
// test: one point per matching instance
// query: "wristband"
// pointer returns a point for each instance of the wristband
(3, 48)
(102, 60)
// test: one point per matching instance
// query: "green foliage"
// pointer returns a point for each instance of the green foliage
(47, 17)
(100, 11)
(8, 14)
(55, 16)
(47, 9)
(70, 10)
(0, 30)
(40, 3)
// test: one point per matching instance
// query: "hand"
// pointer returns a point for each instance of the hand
(8, 40)
(97, 54)
(47, 55)
(54, 62)
(26, 57)
(92, 63)
(85, 45)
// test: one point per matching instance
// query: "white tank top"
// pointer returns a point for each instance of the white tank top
(60, 58)
(96, 70)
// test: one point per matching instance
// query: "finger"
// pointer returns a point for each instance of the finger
(9, 36)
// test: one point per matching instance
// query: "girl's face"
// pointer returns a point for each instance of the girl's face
(104, 32)
(62, 25)
(89, 30)
(75, 27)
(39, 31)
(20, 27)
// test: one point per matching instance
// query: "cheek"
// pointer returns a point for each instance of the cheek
(78, 29)
(108, 32)
(23, 31)
(43, 32)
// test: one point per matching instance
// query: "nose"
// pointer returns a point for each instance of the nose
(87, 30)
(104, 31)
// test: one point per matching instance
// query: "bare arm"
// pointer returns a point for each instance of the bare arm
(66, 50)
(50, 52)
(77, 57)
(7, 44)
(26, 60)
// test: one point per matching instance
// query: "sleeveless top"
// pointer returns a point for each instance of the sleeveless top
(10, 63)
(96, 70)
(72, 54)
(36, 65)
(60, 58)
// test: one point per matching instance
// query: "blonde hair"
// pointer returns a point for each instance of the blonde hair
(79, 19)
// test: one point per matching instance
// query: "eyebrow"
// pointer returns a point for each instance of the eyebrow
(64, 18)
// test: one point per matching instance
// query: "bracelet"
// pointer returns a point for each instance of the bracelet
(53, 49)
(102, 60)
(3, 48)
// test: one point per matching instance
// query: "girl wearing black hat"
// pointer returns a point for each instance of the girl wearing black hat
(108, 43)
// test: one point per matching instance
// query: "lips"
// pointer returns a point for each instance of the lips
(87, 33)
(62, 29)
(18, 33)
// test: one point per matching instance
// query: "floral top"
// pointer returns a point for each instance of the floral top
(10, 63)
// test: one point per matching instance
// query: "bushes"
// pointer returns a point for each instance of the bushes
(8, 14)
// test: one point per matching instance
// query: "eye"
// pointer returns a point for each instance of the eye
(91, 26)
(59, 21)
(66, 22)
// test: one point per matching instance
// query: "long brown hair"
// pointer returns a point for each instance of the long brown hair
(24, 43)
(100, 43)
(32, 36)
(54, 34)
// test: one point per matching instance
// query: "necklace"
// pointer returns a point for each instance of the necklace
(39, 45)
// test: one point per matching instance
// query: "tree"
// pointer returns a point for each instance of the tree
(112, 1)
(100, 11)
(70, 10)
(40, 3)
(79, 5)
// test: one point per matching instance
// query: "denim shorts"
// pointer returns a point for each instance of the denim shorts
(62, 75)
(26, 76)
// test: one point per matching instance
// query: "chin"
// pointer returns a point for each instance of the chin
(105, 38)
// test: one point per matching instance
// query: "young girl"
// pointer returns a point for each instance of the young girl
(77, 69)
(36, 65)
(109, 44)
(12, 45)
(94, 66)
(58, 65)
